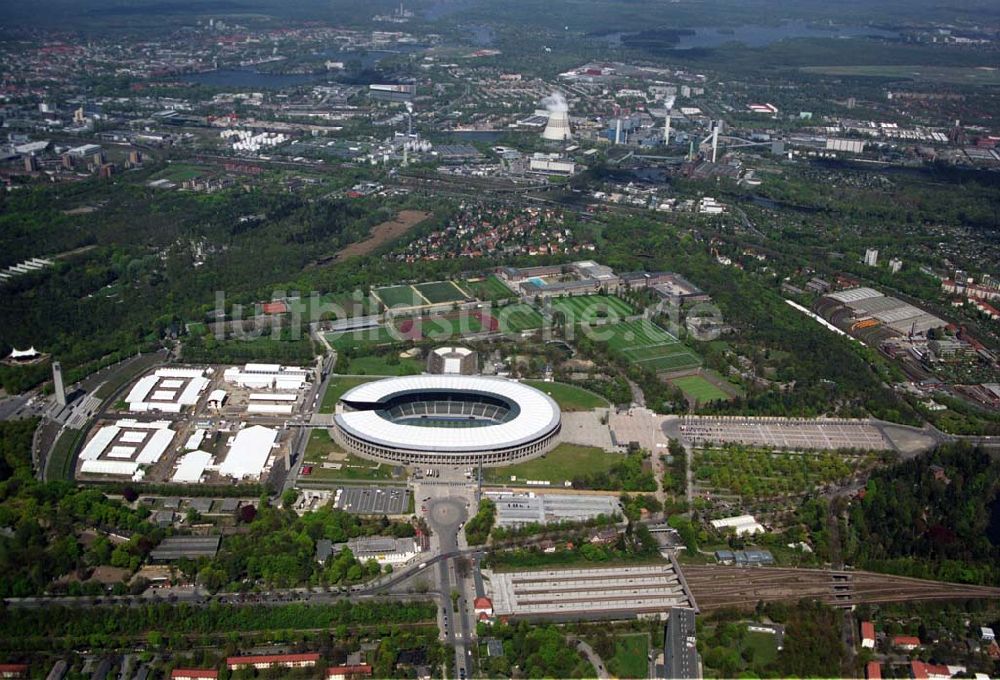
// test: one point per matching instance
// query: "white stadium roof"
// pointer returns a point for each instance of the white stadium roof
(537, 415)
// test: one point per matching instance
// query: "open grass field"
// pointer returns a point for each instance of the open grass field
(182, 172)
(518, 317)
(590, 308)
(384, 365)
(321, 448)
(438, 292)
(644, 343)
(629, 660)
(340, 305)
(697, 388)
(763, 645)
(487, 289)
(570, 397)
(398, 296)
(562, 463)
(952, 75)
(361, 339)
(336, 388)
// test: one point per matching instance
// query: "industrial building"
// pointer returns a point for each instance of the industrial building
(519, 509)
(601, 593)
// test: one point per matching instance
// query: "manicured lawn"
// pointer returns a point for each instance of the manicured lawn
(570, 397)
(697, 388)
(630, 660)
(489, 288)
(398, 296)
(644, 343)
(437, 292)
(361, 339)
(389, 364)
(563, 463)
(518, 317)
(336, 388)
(591, 308)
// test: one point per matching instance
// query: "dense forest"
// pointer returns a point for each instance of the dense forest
(934, 516)
(35, 628)
(59, 530)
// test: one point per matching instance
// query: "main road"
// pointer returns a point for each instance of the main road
(446, 517)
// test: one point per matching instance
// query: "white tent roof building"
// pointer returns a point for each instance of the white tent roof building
(249, 452)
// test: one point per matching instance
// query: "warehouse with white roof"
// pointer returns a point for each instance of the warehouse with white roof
(447, 420)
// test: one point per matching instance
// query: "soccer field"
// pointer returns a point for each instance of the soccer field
(487, 289)
(699, 389)
(438, 292)
(517, 318)
(590, 308)
(647, 345)
(398, 296)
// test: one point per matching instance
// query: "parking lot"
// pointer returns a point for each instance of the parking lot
(788, 433)
(373, 500)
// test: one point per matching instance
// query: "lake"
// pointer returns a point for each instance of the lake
(753, 35)
(250, 78)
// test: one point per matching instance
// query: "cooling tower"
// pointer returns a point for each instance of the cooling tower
(557, 129)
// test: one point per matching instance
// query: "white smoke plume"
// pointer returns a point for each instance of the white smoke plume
(555, 103)
(668, 102)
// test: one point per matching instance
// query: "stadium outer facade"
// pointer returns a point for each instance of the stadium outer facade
(446, 420)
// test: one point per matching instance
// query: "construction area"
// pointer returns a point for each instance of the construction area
(573, 594)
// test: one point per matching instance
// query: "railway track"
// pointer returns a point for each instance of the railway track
(714, 587)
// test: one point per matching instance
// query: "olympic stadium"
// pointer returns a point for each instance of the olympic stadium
(446, 420)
